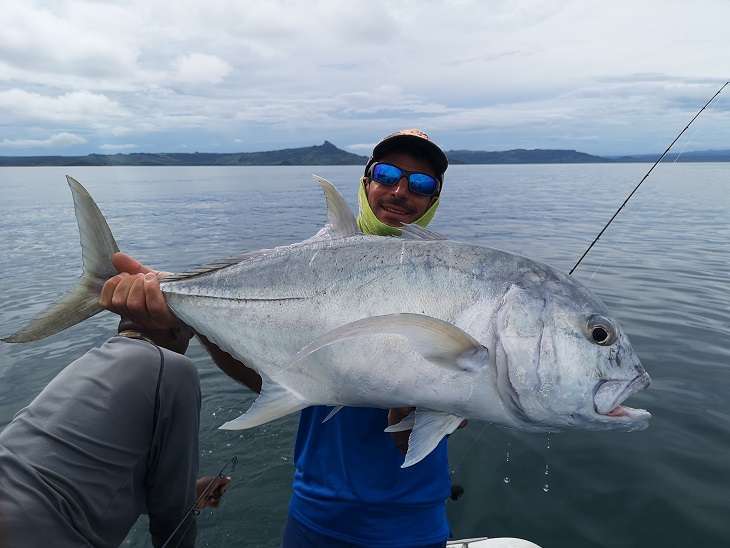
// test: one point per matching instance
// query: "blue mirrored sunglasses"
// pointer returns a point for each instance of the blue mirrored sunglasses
(418, 183)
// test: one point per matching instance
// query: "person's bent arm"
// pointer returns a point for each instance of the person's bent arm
(231, 366)
(136, 296)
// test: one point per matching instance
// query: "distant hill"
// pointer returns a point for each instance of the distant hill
(522, 156)
(324, 154)
(329, 154)
(690, 156)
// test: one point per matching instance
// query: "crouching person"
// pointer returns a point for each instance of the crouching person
(114, 435)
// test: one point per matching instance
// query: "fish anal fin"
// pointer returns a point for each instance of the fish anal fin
(429, 429)
(406, 423)
(274, 401)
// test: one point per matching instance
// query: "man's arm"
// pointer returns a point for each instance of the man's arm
(231, 366)
(172, 463)
(135, 295)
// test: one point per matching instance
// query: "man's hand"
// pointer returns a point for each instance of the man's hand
(135, 294)
(396, 415)
(211, 498)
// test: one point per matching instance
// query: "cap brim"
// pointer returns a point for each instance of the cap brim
(411, 142)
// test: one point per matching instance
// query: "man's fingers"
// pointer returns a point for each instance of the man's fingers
(213, 489)
(136, 299)
(105, 299)
(124, 263)
(221, 484)
(119, 298)
(156, 304)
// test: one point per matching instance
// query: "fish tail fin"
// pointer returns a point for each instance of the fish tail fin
(82, 302)
(274, 402)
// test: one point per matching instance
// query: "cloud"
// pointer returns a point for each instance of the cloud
(292, 73)
(121, 146)
(57, 140)
(68, 37)
(199, 68)
(77, 106)
(362, 146)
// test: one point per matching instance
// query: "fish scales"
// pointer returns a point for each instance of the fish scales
(288, 301)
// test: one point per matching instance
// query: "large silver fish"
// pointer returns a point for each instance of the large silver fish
(452, 329)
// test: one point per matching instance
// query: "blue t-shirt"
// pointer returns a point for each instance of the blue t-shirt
(348, 483)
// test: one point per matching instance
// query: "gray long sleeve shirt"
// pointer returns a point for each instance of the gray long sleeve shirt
(112, 436)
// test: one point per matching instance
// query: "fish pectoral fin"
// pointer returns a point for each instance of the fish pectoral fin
(406, 423)
(429, 429)
(274, 402)
(332, 413)
(339, 214)
(436, 340)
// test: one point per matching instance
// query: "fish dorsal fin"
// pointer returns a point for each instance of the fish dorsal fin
(274, 401)
(204, 269)
(436, 340)
(339, 214)
(429, 429)
(341, 223)
(220, 264)
(416, 232)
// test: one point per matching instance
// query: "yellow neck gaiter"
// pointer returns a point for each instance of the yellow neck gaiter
(370, 224)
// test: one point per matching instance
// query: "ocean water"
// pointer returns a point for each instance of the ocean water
(663, 269)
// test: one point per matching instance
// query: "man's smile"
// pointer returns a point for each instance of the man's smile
(397, 210)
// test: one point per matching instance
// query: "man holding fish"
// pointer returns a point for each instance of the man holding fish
(362, 324)
(349, 488)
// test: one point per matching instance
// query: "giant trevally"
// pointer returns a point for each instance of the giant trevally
(454, 330)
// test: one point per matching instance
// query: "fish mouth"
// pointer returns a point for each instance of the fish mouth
(610, 394)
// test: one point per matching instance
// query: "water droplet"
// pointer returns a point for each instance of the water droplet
(546, 486)
(506, 464)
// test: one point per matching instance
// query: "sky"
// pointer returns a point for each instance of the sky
(619, 77)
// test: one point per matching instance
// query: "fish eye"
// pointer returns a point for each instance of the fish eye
(601, 330)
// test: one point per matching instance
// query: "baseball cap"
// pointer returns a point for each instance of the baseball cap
(413, 140)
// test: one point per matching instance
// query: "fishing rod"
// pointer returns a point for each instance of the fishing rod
(195, 507)
(645, 176)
